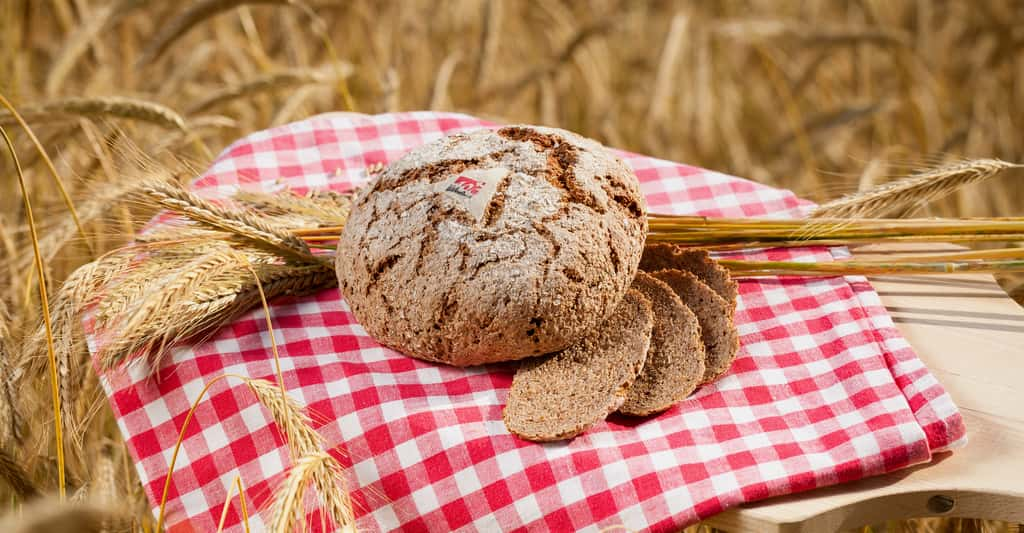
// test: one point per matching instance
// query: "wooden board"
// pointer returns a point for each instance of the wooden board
(971, 336)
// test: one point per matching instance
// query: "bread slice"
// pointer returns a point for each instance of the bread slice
(560, 396)
(721, 342)
(675, 359)
(662, 256)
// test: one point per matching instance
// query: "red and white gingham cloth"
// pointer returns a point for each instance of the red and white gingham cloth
(824, 390)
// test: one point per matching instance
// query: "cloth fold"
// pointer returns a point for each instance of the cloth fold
(824, 390)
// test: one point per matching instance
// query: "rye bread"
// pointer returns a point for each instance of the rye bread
(665, 256)
(675, 358)
(721, 341)
(558, 397)
(492, 245)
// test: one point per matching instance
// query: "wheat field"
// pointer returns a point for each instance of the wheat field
(821, 97)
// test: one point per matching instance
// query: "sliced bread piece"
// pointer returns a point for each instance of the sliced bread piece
(662, 256)
(560, 396)
(714, 314)
(675, 359)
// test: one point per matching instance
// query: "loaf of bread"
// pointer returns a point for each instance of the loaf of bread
(559, 397)
(675, 358)
(493, 245)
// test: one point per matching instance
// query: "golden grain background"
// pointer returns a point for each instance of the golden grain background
(821, 97)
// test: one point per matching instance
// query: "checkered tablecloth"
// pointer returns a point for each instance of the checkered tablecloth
(824, 390)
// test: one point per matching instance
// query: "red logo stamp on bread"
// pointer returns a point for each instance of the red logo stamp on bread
(466, 186)
(474, 188)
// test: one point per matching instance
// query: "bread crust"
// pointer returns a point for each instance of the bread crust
(545, 256)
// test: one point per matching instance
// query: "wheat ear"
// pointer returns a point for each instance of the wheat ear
(319, 207)
(288, 508)
(14, 474)
(303, 440)
(245, 225)
(193, 15)
(104, 107)
(269, 82)
(9, 427)
(211, 306)
(914, 190)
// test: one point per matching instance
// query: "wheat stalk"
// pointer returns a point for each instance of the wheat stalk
(490, 35)
(439, 92)
(269, 82)
(79, 41)
(236, 484)
(45, 304)
(827, 36)
(49, 166)
(666, 72)
(193, 15)
(914, 190)
(868, 268)
(77, 517)
(104, 107)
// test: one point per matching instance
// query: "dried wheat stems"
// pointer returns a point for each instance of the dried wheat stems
(719, 234)
(180, 281)
(917, 266)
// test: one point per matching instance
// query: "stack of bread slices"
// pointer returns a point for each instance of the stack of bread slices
(528, 243)
(671, 333)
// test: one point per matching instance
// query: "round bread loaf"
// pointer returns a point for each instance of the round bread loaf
(493, 245)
